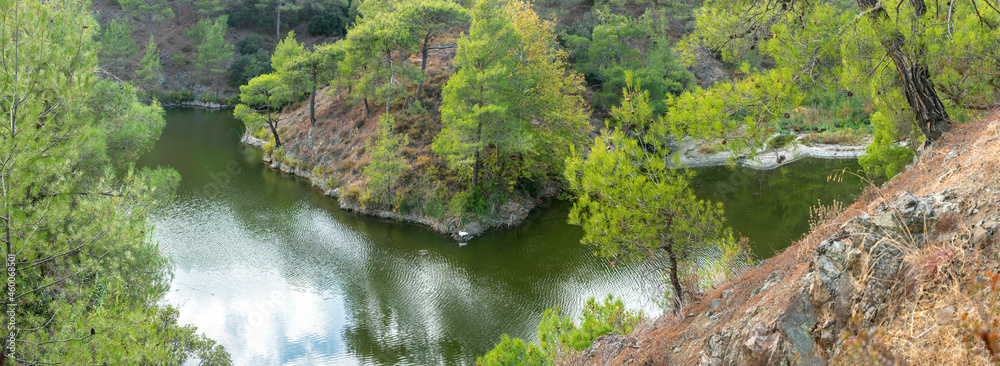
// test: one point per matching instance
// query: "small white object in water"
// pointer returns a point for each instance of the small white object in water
(462, 244)
(462, 233)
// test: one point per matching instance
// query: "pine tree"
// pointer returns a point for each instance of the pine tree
(214, 53)
(512, 94)
(386, 162)
(260, 104)
(150, 9)
(428, 19)
(75, 207)
(117, 45)
(631, 203)
(151, 70)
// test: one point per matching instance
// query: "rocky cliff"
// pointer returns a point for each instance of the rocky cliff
(905, 275)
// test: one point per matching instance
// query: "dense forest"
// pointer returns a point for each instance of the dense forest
(477, 108)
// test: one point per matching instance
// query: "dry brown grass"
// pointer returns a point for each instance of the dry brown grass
(847, 136)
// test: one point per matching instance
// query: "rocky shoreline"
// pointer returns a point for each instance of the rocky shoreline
(766, 159)
(199, 104)
(514, 212)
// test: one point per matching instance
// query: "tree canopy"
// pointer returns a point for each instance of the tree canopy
(214, 53)
(512, 93)
(631, 203)
(913, 65)
(75, 207)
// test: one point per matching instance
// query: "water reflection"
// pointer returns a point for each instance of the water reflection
(279, 275)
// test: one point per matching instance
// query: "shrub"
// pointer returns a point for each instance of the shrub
(178, 59)
(331, 22)
(246, 67)
(246, 13)
(173, 97)
(252, 43)
(884, 156)
(269, 147)
(780, 141)
(198, 32)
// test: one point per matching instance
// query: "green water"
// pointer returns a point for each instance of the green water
(771, 207)
(278, 274)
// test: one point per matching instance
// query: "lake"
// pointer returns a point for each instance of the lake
(279, 275)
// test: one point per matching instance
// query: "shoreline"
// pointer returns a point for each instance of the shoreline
(766, 159)
(516, 212)
(461, 232)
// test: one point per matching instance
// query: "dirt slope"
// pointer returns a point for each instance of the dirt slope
(905, 275)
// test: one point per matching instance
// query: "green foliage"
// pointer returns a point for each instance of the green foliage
(199, 31)
(386, 163)
(260, 104)
(623, 44)
(152, 10)
(178, 59)
(214, 53)
(292, 87)
(248, 66)
(610, 317)
(372, 46)
(151, 71)
(558, 335)
(246, 13)
(251, 44)
(330, 22)
(208, 7)
(631, 203)
(512, 94)
(826, 48)
(89, 280)
(884, 156)
(117, 45)
(512, 352)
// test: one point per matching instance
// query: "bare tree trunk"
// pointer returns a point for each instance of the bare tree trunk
(273, 124)
(277, 25)
(423, 64)
(475, 165)
(674, 281)
(368, 111)
(928, 110)
(312, 101)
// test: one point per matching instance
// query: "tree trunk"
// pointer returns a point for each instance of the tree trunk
(928, 110)
(392, 75)
(475, 170)
(368, 111)
(149, 24)
(273, 124)
(423, 64)
(277, 26)
(674, 281)
(475, 165)
(312, 101)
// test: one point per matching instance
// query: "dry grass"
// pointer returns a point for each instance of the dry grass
(847, 137)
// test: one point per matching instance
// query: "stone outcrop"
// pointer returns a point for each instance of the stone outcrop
(850, 275)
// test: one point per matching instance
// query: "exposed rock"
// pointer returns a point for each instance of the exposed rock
(833, 269)
(771, 280)
(915, 215)
(707, 69)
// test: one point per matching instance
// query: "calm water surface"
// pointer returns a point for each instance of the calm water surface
(279, 275)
